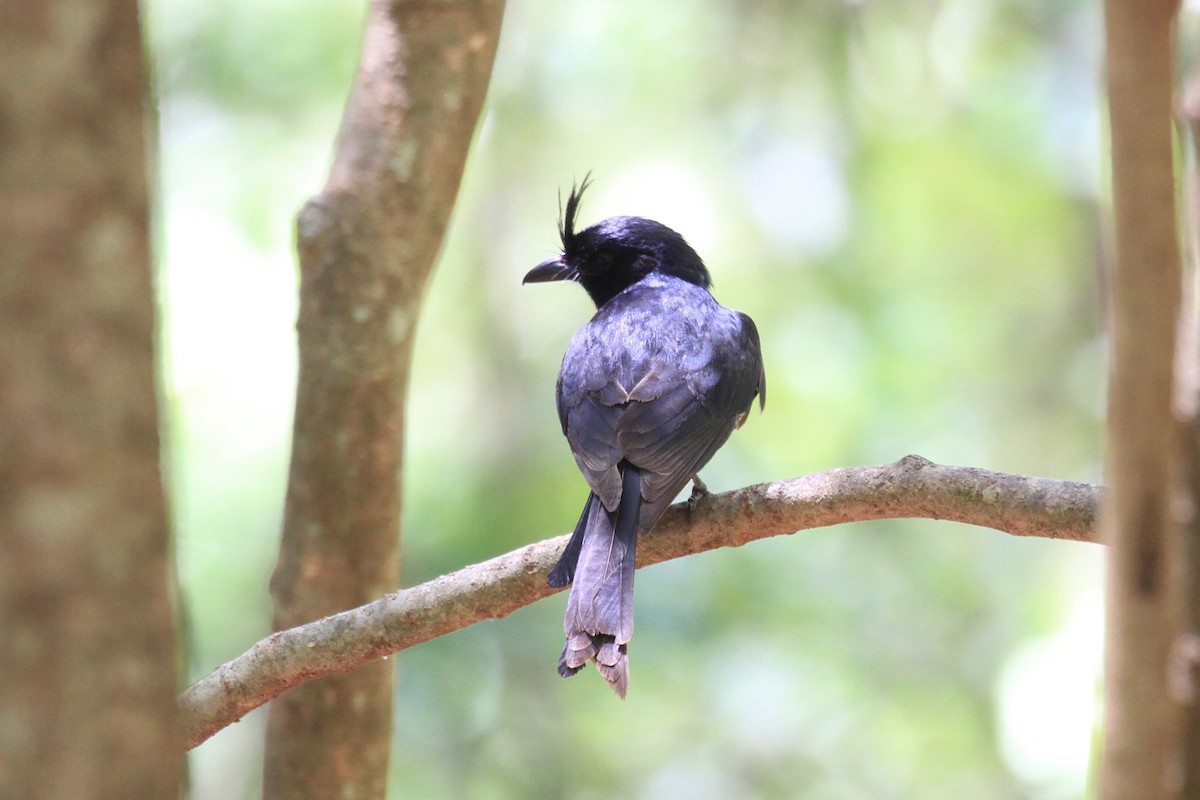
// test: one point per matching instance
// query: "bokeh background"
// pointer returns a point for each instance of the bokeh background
(903, 194)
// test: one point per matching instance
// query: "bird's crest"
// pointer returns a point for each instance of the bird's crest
(566, 226)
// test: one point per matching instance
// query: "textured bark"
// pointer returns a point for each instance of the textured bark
(87, 652)
(1141, 726)
(912, 487)
(367, 244)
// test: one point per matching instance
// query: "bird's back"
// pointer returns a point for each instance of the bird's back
(659, 378)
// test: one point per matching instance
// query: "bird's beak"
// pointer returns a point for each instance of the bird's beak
(552, 269)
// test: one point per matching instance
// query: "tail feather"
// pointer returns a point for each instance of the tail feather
(564, 571)
(599, 618)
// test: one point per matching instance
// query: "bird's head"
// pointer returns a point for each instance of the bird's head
(616, 253)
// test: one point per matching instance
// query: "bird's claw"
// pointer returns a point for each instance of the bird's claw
(699, 492)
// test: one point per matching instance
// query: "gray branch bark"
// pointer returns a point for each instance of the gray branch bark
(911, 487)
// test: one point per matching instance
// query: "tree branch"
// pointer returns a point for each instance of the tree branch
(911, 487)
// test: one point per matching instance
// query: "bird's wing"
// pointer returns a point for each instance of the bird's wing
(666, 413)
(673, 431)
(590, 427)
(671, 438)
(754, 347)
(661, 425)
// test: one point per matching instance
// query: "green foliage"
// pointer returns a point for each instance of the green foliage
(903, 195)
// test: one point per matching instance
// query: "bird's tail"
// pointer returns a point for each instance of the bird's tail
(599, 618)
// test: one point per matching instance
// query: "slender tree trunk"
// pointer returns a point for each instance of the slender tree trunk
(367, 245)
(1141, 731)
(87, 654)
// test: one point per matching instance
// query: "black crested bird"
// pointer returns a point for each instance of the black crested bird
(649, 389)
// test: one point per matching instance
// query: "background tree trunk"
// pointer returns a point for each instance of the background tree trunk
(1140, 729)
(367, 244)
(87, 651)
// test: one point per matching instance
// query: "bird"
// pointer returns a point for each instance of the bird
(649, 389)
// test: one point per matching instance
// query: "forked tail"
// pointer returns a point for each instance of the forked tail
(600, 560)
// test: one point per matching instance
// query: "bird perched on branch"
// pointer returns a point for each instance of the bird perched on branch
(649, 389)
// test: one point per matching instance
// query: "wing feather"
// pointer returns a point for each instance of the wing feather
(665, 405)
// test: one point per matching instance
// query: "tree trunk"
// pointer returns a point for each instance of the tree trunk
(367, 245)
(87, 650)
(1141, 731)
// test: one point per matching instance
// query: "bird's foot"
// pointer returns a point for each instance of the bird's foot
(699, 492)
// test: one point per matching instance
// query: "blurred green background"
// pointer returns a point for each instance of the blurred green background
(904, 195)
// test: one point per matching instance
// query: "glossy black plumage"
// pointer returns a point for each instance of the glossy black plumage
(649, 389)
